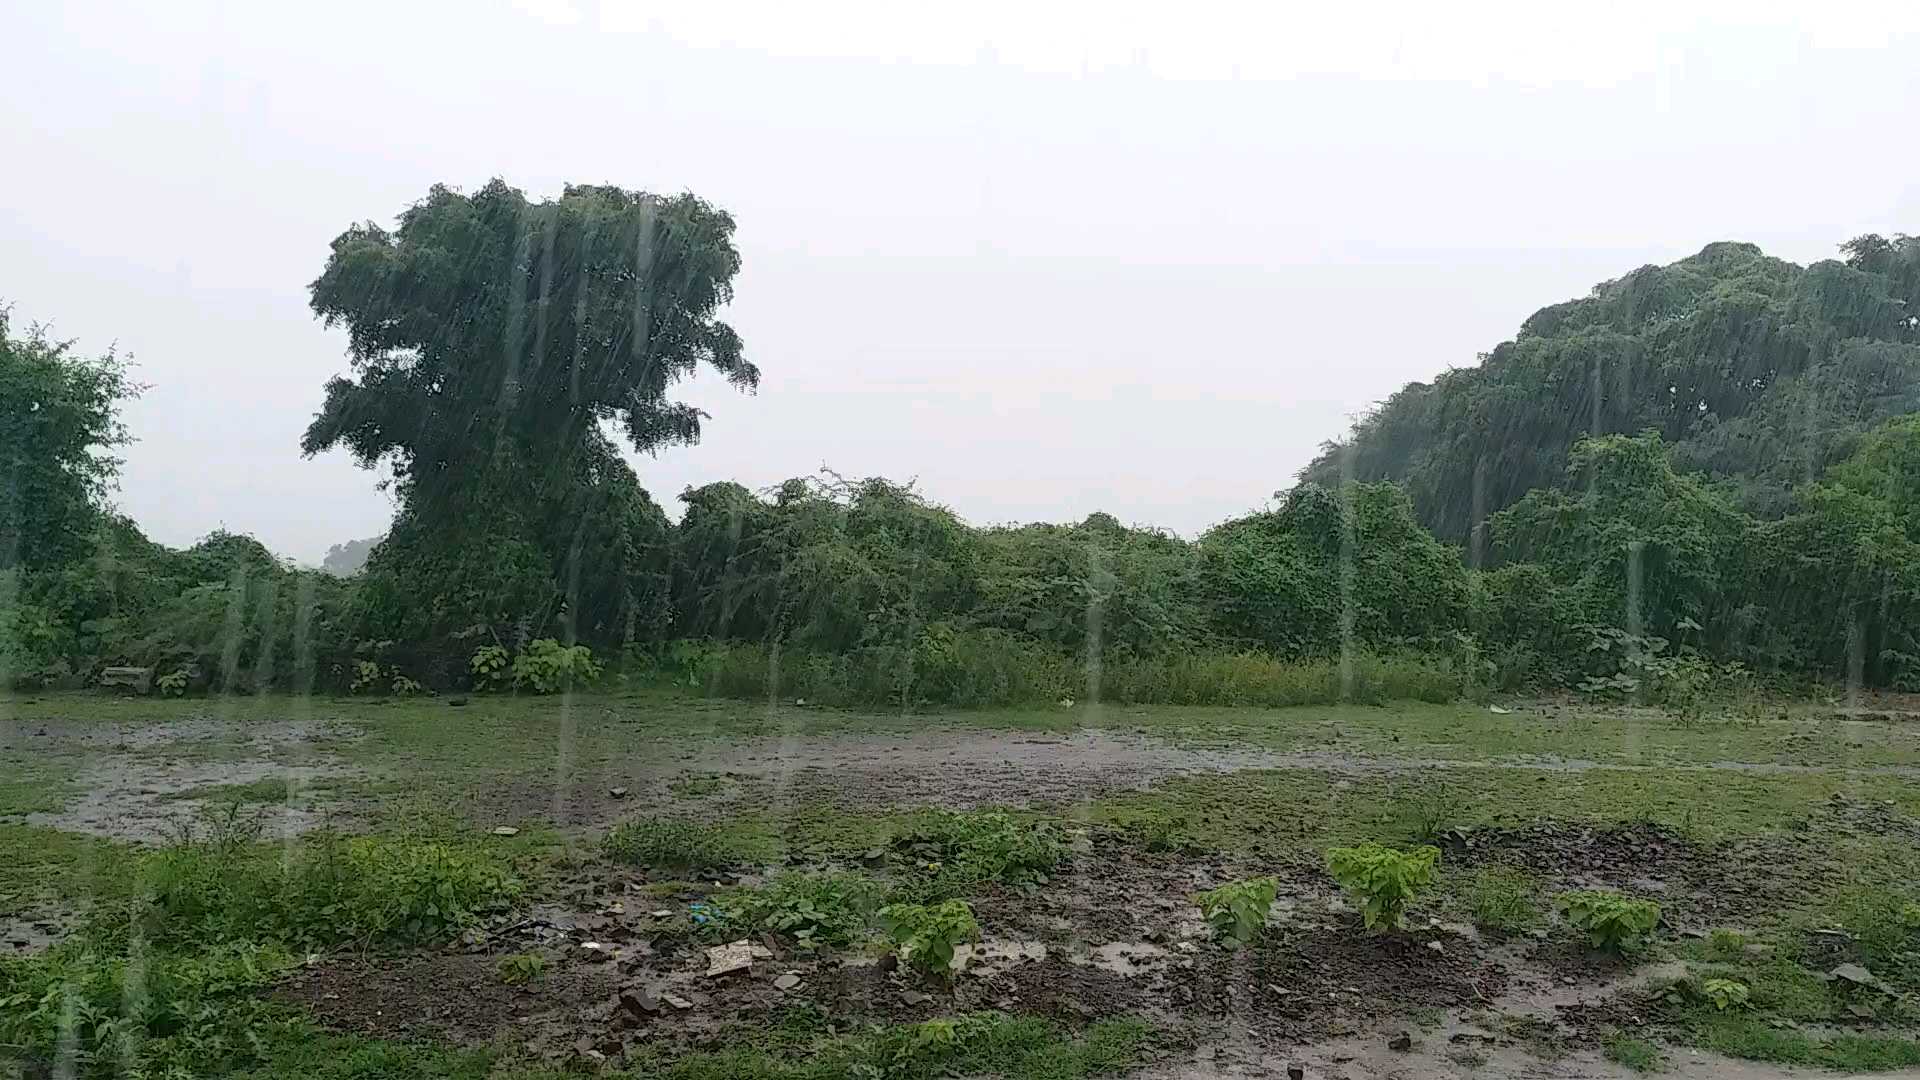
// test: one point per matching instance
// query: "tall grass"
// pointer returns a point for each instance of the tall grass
(975, 670)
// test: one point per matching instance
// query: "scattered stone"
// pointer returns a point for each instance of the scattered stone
(617, 792)
(596, 952)
(639, 1002)
(1402, 1042)
(915, 997)
(726, 959)
(677, 1002)
(1861, 1012)
(786, 982)
(1497, 710)
(506, 830)
(1859, 976)
(663, 914)
(1437, 947)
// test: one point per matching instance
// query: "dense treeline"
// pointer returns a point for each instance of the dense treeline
(498, 344)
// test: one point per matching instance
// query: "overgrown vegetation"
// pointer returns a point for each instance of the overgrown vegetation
(1742, 509)
(671, 844)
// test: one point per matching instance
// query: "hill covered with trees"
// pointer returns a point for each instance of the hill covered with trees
(1757, 372)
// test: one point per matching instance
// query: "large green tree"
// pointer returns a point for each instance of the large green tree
(59, 424)
(494, 341)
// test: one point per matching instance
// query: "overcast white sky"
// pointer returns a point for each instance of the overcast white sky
(1047, 258)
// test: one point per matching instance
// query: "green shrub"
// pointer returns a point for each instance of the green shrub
(952, 852)
(1237, 912)
(925, 936)
(1503, 899)
(489, 667)
(1724, 994)
(545, 666)
(1384, 881)
(812, 909)
(671, 844)
(1612, 922)
(522, 968)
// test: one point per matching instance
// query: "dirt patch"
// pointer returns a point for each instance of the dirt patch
(1694, 884)
(132, 776)
(952, 768)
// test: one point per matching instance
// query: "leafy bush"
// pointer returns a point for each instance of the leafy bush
(1503, 899)
(522, 968)
(174, 683)
(812, 909)
(489, 667)
(671, 844)
(1237, 912)
(1612, 922)
(1726, 945)
(545, 666)
(952, 852)
(1724, 994)
(1382, 879)
(926, 936)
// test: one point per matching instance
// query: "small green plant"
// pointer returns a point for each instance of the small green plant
(522, 968)
(1503, 899)
(489, 667)
(1636, 1054)
(1429, 816)
(925, 936)
(812, 909)
(1613, 923)
(1383, 880)
(953, 852)
(1237, 912)
(546, 667)
(670, 844)
(403, 686)
(174, 683)
(1726, 946)
(1726, 994)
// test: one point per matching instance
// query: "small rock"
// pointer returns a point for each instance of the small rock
(663, 914)
(1437, 947)
(1402, 1042)
(1497, 710)
(915, 997)
(596, 952)
(726, 959)
(456, 702)
(617, 792)
(506, 830)
(639, 1002)
(786, 982)
(677, 1002)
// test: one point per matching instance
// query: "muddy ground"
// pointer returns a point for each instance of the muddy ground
(1114, 934)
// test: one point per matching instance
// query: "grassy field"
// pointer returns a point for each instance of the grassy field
(275, 887)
